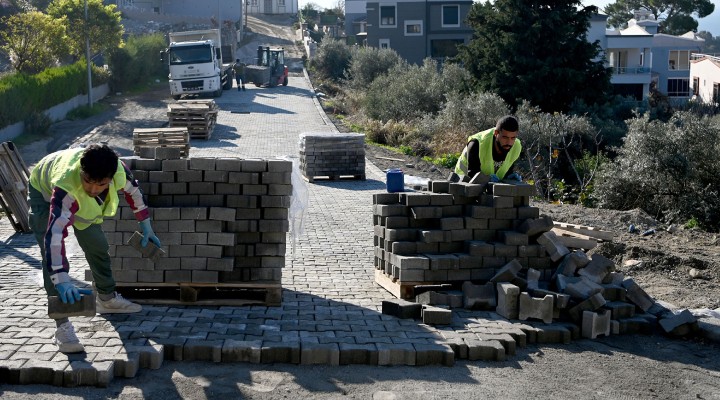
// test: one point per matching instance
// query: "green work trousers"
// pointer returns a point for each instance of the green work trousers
(92, 240)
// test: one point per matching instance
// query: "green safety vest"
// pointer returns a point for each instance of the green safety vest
(62, 169)
(487, 164)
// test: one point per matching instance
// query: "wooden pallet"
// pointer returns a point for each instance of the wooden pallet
(177, 137)
(203, 294)
(312, 179)
(588, 231)
(14, 184)
(198, 116)
(406, 290)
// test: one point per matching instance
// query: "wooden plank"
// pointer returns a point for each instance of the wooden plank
(577, 243)
(586, 230)
(212, 294)
(14, 186)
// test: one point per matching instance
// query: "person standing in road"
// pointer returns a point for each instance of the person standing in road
(239, 69)
(79, 187)
(492, 152)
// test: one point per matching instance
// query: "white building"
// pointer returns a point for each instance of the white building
(705, 78)
(643, 59)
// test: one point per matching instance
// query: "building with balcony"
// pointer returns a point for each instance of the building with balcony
(643, 59)
(417, 29)
(705, 78)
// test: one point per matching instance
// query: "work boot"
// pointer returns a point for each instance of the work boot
(243, 88)
(238, 89)
(66, 339)
(116, 305)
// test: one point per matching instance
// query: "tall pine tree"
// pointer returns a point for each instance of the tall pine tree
(536, 50)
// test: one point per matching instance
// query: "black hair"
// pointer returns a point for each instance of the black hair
(508, 123)
(99, 162)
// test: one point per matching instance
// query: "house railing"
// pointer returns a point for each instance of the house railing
(715, 57)
(631, 70)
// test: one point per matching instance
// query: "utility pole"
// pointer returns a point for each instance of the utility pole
(87, 56)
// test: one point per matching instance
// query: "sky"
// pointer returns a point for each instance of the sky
(710, 23)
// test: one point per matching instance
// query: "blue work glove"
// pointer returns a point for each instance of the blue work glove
(494, 178)
(148, 234)
(69, 293)
(514, 177)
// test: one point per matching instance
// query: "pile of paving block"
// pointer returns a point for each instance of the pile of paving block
(199, 116)
(220, 220)
(480, 246)
(332, 154)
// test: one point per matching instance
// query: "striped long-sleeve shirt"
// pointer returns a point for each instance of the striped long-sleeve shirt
(62, 214)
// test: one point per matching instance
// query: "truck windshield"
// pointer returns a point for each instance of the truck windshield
(190, 54)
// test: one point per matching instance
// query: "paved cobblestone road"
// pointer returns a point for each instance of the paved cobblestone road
(330, 307)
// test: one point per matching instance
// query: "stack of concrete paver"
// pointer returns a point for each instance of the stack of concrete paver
(485, 237)
(332, 155)
(220, 220)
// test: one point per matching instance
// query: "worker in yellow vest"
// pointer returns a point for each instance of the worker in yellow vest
(79, 187)
(492, 152)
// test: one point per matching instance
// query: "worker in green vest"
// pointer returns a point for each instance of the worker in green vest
(492, 152)
(79, 187)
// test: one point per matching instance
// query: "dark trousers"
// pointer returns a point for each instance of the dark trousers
(92, 240)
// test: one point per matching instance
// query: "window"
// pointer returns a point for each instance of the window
(450, 16)
(387, 16)
(281, 3)
(696, 86)
(384, 43)
(642, 59)
(413, 28)
(253, 2)
(678, 87)
(444, 48)
(716, 93)
(679, 60)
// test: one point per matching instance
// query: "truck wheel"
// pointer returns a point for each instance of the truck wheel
(218, 93)
(285, 81)
(176, 97)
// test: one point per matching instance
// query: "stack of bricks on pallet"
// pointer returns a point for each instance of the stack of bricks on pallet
(332, 154)
(220, 220)
(458, 232)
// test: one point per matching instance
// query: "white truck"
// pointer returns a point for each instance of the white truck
(199, 63)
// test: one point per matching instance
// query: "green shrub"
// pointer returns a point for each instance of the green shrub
(669, 169)
(368, 63)
(37, 124)
(138, 63)
(332, 59)
(23, 94)
(408, 92)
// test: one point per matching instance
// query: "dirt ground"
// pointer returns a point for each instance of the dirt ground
(631, 366)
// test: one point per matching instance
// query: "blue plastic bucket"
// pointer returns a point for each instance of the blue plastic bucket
(395, 180)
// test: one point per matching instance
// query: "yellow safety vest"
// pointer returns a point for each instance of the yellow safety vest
(487, 164)
(62, 169)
